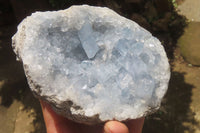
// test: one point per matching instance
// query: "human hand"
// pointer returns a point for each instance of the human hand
(58, 124)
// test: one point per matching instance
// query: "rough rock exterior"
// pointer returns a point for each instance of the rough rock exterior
(91, 64)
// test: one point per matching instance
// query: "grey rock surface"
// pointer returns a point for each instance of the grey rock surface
(91, 64)
(189, 43)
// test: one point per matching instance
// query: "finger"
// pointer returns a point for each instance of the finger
(55, 123)
(115, 127)
(135, 126)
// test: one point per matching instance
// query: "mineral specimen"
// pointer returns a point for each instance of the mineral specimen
(91, 64)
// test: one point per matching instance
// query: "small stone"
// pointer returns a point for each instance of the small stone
(190, 65)
(91, 64)
(21, 108)
(189, 43)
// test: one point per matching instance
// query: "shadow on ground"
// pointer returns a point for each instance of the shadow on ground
(14, 87)
(175, 111)
(14, 90)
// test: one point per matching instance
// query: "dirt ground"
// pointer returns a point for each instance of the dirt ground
(180, 108)
(20, 112)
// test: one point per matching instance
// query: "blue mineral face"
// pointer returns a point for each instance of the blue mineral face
(89, 62)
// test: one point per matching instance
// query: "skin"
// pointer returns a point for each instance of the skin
(58, 124)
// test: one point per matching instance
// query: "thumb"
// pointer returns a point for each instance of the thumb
(115, 127)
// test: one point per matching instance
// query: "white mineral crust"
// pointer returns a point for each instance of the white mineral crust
(91, 64)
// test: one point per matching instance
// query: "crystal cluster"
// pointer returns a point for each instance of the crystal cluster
(91, 64)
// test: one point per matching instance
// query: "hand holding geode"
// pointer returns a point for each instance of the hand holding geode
(91, 64)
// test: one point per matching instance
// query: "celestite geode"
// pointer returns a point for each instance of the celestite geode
(91, 64)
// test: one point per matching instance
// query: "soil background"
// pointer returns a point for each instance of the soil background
(20, 112)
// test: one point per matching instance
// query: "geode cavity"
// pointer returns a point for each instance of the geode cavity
(91, 64)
